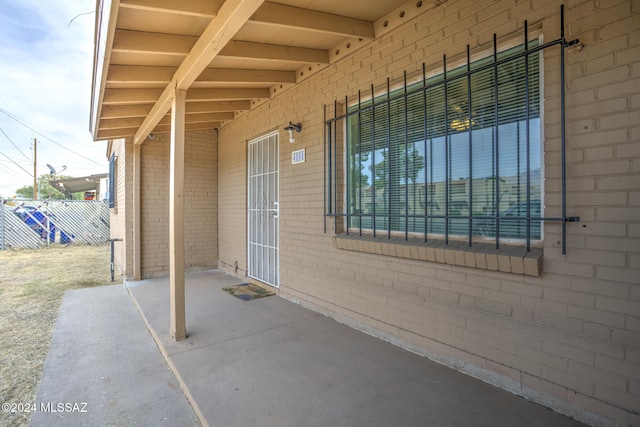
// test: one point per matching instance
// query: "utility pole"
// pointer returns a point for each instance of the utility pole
(35, 157)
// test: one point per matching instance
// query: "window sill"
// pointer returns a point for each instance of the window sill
(507, 259)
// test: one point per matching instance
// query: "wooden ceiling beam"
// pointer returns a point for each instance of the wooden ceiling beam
(269, 14)
(227, 94)
(294, 17)
(140, 74)
(230, 75)
(162, 128)
(200, 118)
(272, 52)
(128, 41)
(199, 8)
(217, 106)
(119, 111)
(230, 18)
(135, 122)
(131, 96)
(145, 74)
(130, 122)
(115, 133)
(209, 117)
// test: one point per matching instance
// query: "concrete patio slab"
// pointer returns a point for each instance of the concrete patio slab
(104, 368)
(270, 362)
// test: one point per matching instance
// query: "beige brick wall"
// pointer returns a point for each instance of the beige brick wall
(201, 199)
(570, 338)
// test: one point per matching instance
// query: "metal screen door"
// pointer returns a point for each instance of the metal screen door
(263, 192)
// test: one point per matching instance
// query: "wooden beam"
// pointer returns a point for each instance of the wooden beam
(273, 52)
(200, 8)
(104, 134)
(269, 14)
(115, 133)
(140, 74)
(230, 18)
(157, 43)
(137, 245)
(131, 96)
(228, 94)
(200, 118)
(294, 17)
(188, 127)
(135, 122)
(119, 111)
(130, 117)
(176, 216)
(216, 106)
(230, 75)
(131, 122)
(210, 117)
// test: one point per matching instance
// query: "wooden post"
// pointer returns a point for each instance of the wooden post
(137, 270)
(176, 216)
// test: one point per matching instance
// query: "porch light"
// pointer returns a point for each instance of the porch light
(293, 127)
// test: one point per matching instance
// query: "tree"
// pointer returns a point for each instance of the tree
(25, 192)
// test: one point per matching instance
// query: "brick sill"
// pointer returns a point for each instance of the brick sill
(484, 256)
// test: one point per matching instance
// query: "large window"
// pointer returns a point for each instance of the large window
(455, 154)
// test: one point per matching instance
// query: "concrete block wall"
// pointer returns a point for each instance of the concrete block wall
(200, 198)
(568, 338)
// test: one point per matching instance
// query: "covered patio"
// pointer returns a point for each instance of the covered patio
(165, 68)
(267, 362)
(459, 179)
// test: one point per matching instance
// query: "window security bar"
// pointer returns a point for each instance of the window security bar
(411, 169)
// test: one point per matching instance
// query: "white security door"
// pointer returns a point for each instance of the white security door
(263, 192)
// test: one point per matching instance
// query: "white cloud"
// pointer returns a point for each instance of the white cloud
(45, 81)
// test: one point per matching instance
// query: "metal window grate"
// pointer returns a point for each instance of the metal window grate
(391, 160)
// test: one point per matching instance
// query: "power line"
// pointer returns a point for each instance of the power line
(10, 107)
(8, 168)
(35, 128)
(28, 173)
(46, 137)
(12, 143)
(13, 160)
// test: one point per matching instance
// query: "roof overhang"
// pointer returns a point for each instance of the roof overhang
(79, 184)
(229, 55)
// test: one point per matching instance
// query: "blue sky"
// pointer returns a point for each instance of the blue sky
(45, 87)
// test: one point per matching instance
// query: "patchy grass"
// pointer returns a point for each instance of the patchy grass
(32, 283)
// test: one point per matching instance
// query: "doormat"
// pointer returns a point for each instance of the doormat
(248, 291)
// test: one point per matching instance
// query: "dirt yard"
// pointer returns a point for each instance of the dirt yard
(32, 283)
